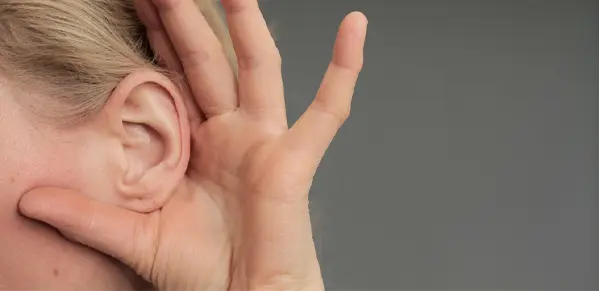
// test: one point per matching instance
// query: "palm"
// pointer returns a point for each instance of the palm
(224, 146)
(249, 173)
(238, 164)
(240, 219)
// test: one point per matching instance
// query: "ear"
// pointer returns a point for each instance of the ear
(147, 116)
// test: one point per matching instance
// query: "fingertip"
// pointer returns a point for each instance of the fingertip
(27, 205)
(359, 16)
(357, 22)
(348, 52)
(35, 203)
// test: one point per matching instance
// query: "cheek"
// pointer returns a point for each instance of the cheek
(30, 160)
(32, 255)
(33, 156)
(39, 155)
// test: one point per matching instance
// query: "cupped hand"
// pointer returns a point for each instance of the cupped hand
(240, 219)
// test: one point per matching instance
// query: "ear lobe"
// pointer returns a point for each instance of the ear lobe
(147, 115)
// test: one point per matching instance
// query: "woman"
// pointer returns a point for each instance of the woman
(209, 200)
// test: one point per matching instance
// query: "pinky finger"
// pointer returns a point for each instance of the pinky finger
(127, 236)
(314, 131)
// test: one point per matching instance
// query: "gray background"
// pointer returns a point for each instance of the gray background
(470, 160)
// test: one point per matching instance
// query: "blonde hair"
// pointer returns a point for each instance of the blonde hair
(77, 51)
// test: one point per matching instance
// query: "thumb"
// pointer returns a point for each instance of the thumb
(125, 235)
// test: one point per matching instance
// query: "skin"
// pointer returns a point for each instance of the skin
(133, 155)
(239, 220)
(25, 147)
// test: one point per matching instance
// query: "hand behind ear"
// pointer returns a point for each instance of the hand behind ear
(240, 220)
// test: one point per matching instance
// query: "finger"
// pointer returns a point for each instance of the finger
(315, 130)
(167, 57)
(201, 55)
(161, 45)
(124, 235)
(260, 80)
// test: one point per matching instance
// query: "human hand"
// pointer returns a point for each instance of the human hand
(240, 219)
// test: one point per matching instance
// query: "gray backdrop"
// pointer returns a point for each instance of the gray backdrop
(470, 160)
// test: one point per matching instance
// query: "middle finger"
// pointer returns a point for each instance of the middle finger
(260, 80)
(208, 71)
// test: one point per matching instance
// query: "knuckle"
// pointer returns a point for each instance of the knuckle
(277, 59)
(275, 55)
(351, 72)
(252, 62)
(343, 115)
(338, 115)
(246, 62)
(197, 57)
(166, 4)
(235, 6)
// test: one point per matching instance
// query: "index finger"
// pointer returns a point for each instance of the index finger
(317, 127)
(260, 79)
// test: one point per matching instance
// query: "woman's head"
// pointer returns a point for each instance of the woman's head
(82, 106)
